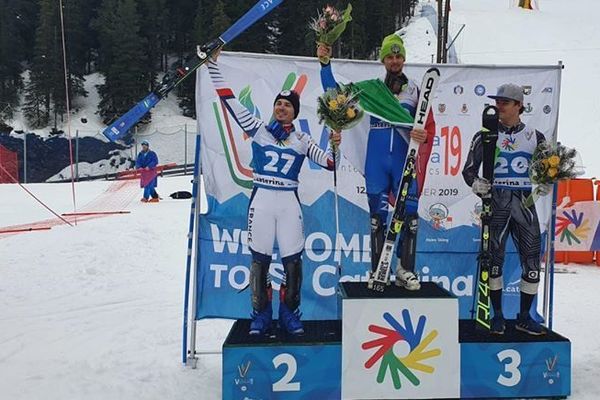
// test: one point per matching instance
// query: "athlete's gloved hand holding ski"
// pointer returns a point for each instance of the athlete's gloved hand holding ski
(481, 186)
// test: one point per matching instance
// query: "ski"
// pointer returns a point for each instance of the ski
(489, 136)
(122, 125)
(381, 277)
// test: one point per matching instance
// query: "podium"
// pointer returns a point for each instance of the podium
(395, 345)
(281, 366)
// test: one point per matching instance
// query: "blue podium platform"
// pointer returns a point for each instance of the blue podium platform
(280, 366)
(395, 345)
(513, 365)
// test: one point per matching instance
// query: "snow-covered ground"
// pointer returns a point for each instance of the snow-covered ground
(94, 311)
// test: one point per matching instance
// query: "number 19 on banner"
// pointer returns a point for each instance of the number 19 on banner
(451, 144)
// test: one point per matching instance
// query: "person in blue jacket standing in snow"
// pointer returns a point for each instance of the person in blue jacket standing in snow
(386, 150)
(146, 162)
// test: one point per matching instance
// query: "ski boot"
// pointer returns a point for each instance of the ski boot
(526, 324)
(497, 325)
(290, 320)
(261, 320)
(407, 280)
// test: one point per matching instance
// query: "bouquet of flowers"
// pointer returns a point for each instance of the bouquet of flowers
(339, 108)
(550, 164)
(330, 24)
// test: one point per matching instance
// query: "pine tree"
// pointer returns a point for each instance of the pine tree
(45, 97)
(11, 53)
(154, 29)
(122, 59)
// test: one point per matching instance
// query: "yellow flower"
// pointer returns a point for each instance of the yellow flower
(545, 163)
(333, 104)
(341, 98)
(554, 161)
(552, 172)
(350, 113)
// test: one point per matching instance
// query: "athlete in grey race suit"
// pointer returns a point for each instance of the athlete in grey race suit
(516, 144)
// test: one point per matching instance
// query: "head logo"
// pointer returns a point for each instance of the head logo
(509, 144)
(240, 169)
(572, 228)
(406, 365)
(480, 90)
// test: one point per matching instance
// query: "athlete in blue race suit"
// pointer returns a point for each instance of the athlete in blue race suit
(274, 212)
(387, 146)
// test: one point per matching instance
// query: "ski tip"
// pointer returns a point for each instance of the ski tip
(490, 111)
(433, 70)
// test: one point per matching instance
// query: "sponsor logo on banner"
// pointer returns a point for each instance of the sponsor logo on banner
(547, 90)
(480, 90)
(458, 90)
(528, 108)
(547, 109)
(441, 108)
(393, 364)
(526, 90)
(464, 109)
(439, 215)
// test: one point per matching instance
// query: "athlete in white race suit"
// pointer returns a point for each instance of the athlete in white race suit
(274, 212)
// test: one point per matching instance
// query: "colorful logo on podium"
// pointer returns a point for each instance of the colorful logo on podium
(406, 365)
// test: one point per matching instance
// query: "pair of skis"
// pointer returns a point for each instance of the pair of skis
(381, 277)
(489, 137)
(122, 125)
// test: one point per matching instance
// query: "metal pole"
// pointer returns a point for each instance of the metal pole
(440, 32)
(24, 157)
(77, 155)
(456, 36)
(445, 39)
(549, 265)
(185, 149)
(194, 275)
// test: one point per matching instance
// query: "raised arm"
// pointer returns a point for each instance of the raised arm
(327, 79)
(320, 156)
(242, 116)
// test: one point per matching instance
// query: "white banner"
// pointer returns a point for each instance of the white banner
(448, 210)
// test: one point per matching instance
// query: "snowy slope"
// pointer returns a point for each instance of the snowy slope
(94, 312)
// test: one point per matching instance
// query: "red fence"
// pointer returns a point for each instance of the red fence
(9, 166)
